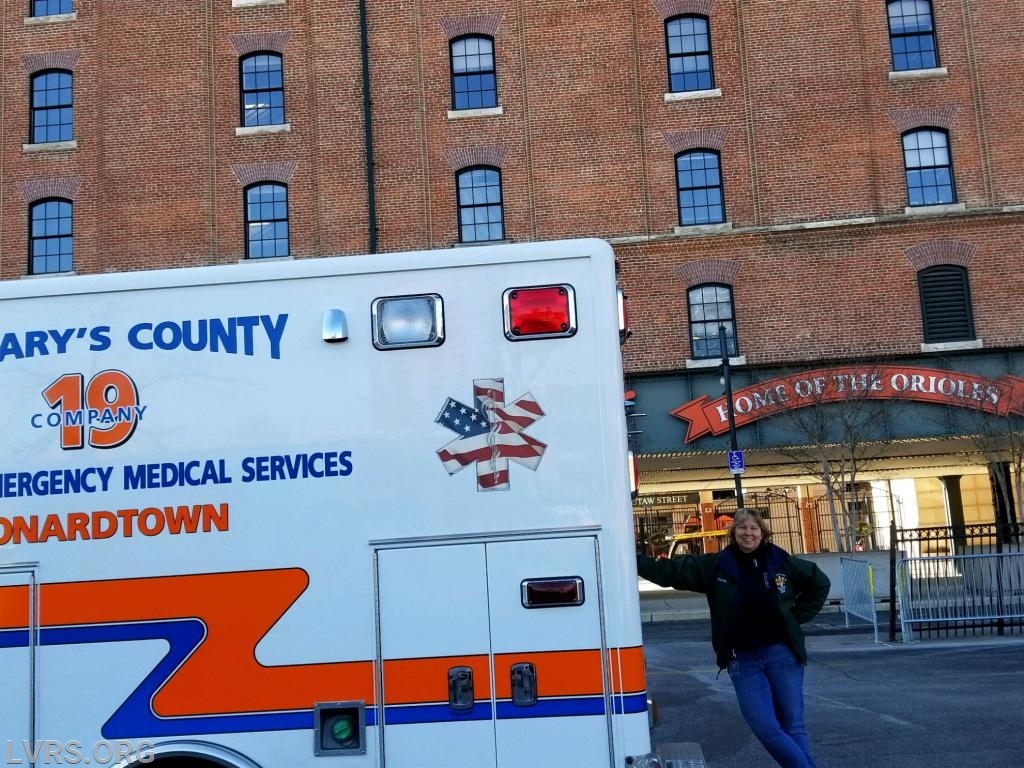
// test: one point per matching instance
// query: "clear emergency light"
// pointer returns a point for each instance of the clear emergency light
(634, 475)
(401, 322)
(539, 312)
(624, 332)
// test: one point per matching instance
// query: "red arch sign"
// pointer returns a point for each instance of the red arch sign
(1002, 396)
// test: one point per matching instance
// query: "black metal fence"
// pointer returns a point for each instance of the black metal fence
(951, 546)
(653, 528)
(976, 539)
(780, 511)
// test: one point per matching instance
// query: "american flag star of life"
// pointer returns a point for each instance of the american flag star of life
(490, 434)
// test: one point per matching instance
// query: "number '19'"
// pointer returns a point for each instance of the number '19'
(105, 407)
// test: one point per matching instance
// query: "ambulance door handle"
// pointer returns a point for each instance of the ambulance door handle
(460, 688)
(524, 684)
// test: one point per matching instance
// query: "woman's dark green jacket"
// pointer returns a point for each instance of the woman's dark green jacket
(799, 588)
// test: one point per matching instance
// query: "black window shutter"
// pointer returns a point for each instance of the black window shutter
(945, 304)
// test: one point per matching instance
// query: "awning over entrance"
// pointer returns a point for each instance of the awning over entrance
(699, 470)
(917, 417)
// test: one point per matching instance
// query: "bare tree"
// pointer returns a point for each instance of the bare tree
(992, 418)
(839, 418)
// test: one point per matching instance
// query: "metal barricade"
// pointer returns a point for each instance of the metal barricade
(859, 591)
(964, 591)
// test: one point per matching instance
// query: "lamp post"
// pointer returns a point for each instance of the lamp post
(727, 381)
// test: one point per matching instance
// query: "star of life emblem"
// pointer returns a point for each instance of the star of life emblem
(491, 434)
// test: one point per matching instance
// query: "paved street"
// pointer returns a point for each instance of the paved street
(932, 704)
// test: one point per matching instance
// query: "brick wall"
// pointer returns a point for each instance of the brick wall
(808, 124)
(822, 294)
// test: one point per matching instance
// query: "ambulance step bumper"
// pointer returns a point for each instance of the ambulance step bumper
(686, 754)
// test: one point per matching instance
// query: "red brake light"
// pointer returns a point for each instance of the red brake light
(552, 593)
(544, 311)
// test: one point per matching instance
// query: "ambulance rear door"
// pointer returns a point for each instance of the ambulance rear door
(549, 654)
(492, 654)
(18, 637)
(434, 666)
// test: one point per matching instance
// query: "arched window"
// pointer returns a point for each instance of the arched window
(266, 220)
(688, 43)
(699, 183)
(709, 307)
(50, 236)
(51, 106)
(481, 216)
(928, 167)
(946, 312)
(262, 81)
(912, 35)
(474, 82)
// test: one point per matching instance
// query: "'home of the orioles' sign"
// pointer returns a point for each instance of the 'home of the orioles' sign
(1001, 396)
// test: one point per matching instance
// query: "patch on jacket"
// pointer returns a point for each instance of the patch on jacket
(781, 583)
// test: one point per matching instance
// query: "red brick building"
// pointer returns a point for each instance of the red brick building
(837, 184)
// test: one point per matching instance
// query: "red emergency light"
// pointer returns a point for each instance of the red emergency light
(539, 312)
(552, 593)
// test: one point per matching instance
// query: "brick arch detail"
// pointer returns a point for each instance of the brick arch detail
(252, 173)
(703, 271)
(464, 157)
(260, 41)
(923, 117)
(934, 252)
(37, 189)
(471, 24)
(669, 8)
(36, 62)
(696, 138)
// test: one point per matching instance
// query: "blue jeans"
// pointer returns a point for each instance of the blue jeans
(769, 687)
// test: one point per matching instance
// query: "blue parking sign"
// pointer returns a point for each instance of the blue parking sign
(737, 465)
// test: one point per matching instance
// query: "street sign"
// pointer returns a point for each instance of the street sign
(737, 465)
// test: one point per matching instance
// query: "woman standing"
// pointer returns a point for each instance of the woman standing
(759, 595)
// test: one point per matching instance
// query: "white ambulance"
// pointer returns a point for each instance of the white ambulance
(359, 511)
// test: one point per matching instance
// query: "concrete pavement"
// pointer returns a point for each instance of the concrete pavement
(938, 703)
(660, 604)
(935, 703)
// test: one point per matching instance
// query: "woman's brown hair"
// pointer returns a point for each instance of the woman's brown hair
(746, 513)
